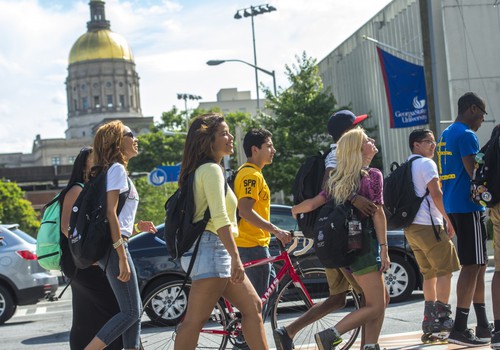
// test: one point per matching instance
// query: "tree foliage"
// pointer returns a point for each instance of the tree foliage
(299, 121)
(152, 200)
(14, 208)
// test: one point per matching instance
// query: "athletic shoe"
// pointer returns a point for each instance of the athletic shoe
(372, 347)
(495, 340)
(327, 339)
(282, 339)
(485, 333)
(465, 337)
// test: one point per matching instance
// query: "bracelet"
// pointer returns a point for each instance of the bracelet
(136, 227)
(382, 244)
(118, 243)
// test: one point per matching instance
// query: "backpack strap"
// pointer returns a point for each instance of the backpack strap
(123, 197)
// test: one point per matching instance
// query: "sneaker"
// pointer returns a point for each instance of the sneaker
(372, 347)
(282, 339)
(495, 340)
(485, 333)
(327, 339)
(240, 343)
(466, 337)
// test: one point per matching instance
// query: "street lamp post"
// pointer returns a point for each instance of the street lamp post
(251, 12)
(186, 97)
(217, 62)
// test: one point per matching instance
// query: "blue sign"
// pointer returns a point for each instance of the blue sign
(163, 174)
(405, 91)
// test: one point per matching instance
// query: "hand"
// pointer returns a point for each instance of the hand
(124, 275)
(237, 271)
(147, 226)
(284, 236)
(385, 262)
(450, 229)
(365, 206)
(294, 212)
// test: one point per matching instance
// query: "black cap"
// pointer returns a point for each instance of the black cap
(342, 121)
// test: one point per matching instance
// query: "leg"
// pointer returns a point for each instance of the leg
(443, 288)
(429, 288)
(203, 296)
(244, 297)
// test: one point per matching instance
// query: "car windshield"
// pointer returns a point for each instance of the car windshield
(21, 234)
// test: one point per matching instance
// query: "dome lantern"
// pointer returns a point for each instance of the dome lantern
(97, 16)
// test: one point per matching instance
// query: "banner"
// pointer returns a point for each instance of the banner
(405, 91)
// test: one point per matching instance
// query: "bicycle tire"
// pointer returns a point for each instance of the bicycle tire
(159, 334)
(291, 302)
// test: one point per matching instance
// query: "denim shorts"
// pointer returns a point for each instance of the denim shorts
(212, 259)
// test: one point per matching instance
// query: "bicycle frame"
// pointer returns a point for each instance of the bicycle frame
(287, 269)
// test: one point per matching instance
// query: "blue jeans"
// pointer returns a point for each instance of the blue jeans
(127, 322)
(260, 275)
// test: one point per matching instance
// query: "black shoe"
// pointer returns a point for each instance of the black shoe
(485, 333)
(466, 337)
(282, 339)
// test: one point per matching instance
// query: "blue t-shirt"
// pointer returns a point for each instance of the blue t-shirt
(457, 141)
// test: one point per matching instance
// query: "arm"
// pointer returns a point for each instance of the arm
(309, 204)
(380, 224)
(114, 225)
(237, 270)
(364, 205)
(437, 197)
(245, 207)
(144, 226)
(69, 200)
(468, 162)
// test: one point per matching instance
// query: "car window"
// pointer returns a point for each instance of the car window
(24, 235)
(284, 221)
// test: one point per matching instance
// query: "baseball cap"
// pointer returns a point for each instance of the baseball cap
(342, 121)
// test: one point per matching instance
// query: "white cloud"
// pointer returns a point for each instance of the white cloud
(171, 41)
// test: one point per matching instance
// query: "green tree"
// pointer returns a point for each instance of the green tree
(14, 208)
(298, 122)
(152, 200)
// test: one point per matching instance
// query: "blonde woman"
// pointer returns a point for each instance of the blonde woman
(217, 269)
(354, 177)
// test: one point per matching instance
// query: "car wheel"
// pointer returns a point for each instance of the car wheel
(7, 306)
(400, 278)
(165, 302)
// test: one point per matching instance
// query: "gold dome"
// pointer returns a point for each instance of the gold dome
(99, 45)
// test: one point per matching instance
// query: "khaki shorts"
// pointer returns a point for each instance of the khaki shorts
(435, 258)
(340, 281)
(495, 220)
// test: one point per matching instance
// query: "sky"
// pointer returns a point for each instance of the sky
(171, 42)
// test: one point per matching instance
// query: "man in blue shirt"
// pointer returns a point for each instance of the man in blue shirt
(457, 149)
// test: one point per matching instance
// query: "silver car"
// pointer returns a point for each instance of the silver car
(22, 280)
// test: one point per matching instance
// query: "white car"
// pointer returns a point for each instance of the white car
(22, 280)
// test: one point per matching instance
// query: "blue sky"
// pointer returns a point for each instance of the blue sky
(171, 41)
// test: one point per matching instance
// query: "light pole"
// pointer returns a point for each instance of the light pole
(217, 62)
(251, 12)
(186, 97)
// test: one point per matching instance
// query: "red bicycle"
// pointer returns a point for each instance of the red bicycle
(293, 291)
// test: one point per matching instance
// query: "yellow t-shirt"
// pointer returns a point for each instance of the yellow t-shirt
(209, 184)
(250, 182)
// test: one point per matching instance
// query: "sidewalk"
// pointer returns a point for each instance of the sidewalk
(412, 341)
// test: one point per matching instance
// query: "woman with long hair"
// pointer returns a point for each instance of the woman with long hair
(93, 301)
(217, 270)
(352, 177)
(114, 145)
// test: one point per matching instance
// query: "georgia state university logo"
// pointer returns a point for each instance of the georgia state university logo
(418, 104)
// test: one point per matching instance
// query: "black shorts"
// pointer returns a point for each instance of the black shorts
(470, 229)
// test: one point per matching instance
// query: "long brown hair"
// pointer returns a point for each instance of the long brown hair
(199, 142)
(108, 146)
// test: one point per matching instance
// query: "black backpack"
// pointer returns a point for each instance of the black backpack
(331, 234)
(89, 233)
(485, 187)
(401, 203)
(180, 231)
(307, 184)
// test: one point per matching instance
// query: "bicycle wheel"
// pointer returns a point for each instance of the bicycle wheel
(291, 302)
(162, 308)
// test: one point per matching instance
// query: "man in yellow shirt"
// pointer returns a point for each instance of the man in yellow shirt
(254, 203)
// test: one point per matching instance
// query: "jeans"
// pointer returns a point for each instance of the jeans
(127, 322)
(260, 275)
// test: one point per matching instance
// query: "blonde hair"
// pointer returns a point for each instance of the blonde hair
(108, 145)
(346, 178)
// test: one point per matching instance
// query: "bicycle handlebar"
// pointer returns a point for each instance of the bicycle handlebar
(298, 235)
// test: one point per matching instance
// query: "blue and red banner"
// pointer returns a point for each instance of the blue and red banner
(405, 91)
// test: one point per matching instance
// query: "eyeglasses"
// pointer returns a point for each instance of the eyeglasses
(430, 142)
(129, 134)
(482, 110)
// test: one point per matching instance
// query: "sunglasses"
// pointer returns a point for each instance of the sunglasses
(481, 109)
(129, 134)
